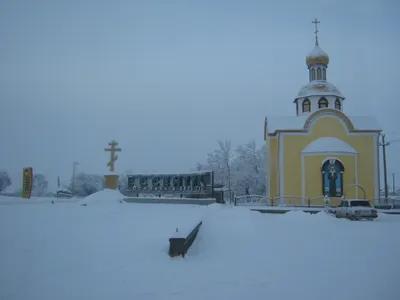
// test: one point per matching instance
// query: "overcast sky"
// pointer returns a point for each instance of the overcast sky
(167, 79)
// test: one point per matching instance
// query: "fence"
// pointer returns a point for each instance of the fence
(299, 201)
(251, 200)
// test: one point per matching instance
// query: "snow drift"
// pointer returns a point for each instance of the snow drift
(105, 196)
(68, 252)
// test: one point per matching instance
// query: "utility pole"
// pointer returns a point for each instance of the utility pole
(383, 144)
(394, 186)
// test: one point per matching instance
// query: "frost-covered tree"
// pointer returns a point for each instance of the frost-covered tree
(39, 185)
(5, 180)
(249, 171)
(86, 184)
(242, 170)
(123, 179)
(220, 161)
(201, 167)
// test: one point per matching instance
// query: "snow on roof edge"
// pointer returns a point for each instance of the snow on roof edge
(331, 144)
(295, 123)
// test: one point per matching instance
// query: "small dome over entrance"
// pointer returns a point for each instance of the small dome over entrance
(328, 145)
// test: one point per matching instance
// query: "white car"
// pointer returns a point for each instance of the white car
(355, 210)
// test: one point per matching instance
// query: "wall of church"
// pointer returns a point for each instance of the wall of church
(273, 167)
(327, 126)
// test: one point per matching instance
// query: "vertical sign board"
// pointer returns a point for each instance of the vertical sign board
(27, 180)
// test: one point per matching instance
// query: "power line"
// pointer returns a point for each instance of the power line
(395, 141)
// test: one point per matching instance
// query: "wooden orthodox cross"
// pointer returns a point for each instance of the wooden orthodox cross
(113, 157)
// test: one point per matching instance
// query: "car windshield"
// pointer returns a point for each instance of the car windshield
(360, 203)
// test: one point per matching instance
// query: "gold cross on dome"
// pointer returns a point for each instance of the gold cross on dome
(316, 22)
(113, 157)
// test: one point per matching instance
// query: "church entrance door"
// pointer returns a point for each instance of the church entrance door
(332, 178)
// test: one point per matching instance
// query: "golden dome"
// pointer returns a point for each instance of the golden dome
(317, 56)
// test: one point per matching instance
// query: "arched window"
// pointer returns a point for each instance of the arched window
(319, 75)
(332, 178)
(338, 105)
(306, 105)
(324, 74)
(313, 74)
(322, 103)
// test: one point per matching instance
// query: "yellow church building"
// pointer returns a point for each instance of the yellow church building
(321, 151)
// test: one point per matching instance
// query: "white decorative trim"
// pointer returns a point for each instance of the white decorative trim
(295, 133)
(281, 170)
(376, 165)
(324, 115)
(330, 153)
(331, 158)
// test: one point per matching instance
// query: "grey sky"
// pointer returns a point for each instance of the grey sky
(172, 77)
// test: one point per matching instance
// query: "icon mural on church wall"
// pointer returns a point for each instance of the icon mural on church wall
(332, 173)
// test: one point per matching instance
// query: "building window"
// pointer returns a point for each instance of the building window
(319, 75)
(313, 74)
(322, 103)
(324, 74)
(338, 105)
(306, 105)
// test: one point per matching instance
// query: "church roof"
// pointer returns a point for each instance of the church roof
(319, 88)
(328, 144)
(295, 123)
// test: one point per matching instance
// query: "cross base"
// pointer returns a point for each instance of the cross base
(111, 181)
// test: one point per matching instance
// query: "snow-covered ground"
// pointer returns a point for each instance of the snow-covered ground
(119, 251)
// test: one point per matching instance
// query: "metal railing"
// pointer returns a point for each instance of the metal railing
(299, 201)
(248, 200)
(180, 245)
